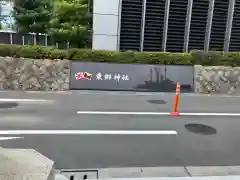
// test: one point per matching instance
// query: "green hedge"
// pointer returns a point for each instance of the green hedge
(195, 57)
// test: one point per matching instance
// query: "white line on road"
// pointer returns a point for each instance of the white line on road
(22, 100)
(155, 113)
(122, 113)
(85, 132)
(8, 138)
(27, 101)
(209, 114)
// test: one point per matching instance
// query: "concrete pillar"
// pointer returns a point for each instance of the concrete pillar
(143, 25)
(229, 25)
(165, 26)
(209, 25)
(188, 25)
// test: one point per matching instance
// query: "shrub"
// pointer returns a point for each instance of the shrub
(195, 57)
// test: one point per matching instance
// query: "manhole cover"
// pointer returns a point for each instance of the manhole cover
(201, 129)
(8, 105)
(157, 101)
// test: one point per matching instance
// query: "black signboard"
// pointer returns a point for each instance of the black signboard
(136, 77)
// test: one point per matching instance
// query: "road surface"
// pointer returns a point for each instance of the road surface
(59, 112)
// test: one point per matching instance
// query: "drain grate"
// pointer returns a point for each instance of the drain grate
(157, 101)
(201, 129)
(81, 174)
(8, 105)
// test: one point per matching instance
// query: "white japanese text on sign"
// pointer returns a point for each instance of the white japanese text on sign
(109, 76)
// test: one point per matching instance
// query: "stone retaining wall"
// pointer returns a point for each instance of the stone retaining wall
(34, 74)
(217, 79)
(53, 75)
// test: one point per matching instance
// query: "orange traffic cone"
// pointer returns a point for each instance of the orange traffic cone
(176, 99)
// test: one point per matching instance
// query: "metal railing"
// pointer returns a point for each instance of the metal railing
(12, 37)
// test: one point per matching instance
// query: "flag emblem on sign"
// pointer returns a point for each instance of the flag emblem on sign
(83, 75)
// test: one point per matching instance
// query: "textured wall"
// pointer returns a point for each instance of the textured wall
(217, 79)
(53, 75)
(29, 74)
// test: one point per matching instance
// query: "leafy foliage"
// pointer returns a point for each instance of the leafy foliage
(41, 52)
(71, 22)
(213, 58)
(33, 16)
(66, 21)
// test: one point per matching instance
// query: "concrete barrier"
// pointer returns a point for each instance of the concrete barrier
(19, 164)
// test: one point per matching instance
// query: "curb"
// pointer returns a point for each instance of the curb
(90, 92)
(153, 172)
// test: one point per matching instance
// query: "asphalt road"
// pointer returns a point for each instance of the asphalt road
(59, 112)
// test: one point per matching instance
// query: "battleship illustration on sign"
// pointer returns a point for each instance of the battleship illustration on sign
(158, 81)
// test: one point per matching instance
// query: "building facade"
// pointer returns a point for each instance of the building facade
(6, 19)
(166, 25)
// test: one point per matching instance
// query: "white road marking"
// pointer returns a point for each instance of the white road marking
(209, 114)
(27, 101)
(155, 113)
(22, 100)
(85, 132)
(9, 138)
(122, 113)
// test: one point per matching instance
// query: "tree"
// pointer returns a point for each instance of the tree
(33, 16)
(71, 23)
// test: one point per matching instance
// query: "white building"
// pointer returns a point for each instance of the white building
(6, 19)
